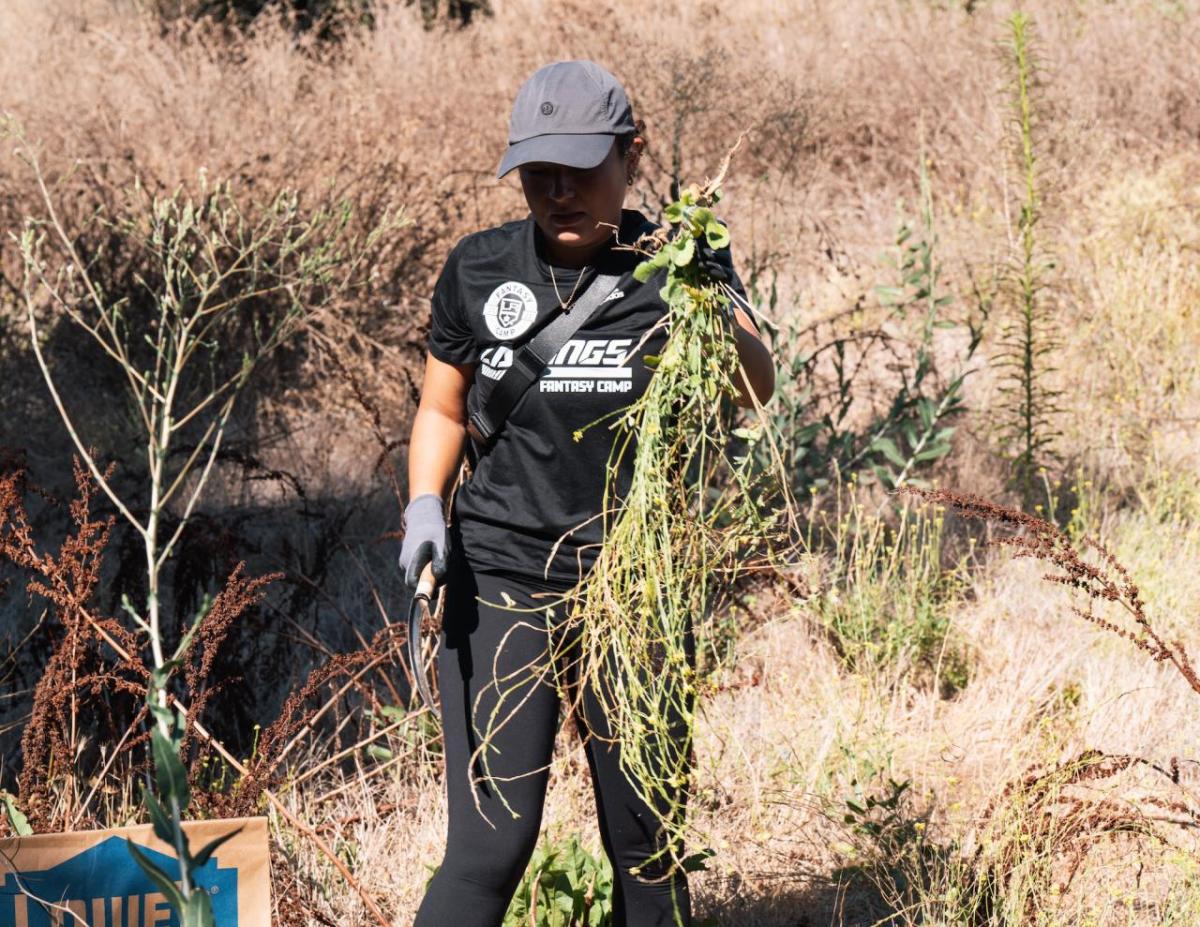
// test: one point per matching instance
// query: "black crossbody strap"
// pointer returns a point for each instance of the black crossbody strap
(531, 360)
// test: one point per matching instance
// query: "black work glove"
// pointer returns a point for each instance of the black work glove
(717, 263)
(425, 538)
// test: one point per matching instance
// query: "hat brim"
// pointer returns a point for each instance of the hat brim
(581, 151)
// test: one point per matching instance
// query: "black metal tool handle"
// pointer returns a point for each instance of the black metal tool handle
(424, 593)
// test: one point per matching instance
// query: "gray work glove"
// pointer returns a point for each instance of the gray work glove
(425, 538)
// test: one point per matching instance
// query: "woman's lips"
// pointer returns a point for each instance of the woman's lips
(566, 218)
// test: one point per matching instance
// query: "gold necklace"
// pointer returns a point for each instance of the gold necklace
(564, 305)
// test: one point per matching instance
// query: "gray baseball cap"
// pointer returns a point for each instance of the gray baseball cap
(566, 113)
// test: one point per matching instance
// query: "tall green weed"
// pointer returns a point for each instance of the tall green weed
(1029, 337)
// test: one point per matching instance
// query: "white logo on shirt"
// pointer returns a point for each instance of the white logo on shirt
(582, 365)
(615, 294)
(510, 310)
(602, 358)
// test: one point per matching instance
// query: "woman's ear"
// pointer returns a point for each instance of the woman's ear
(632, 157)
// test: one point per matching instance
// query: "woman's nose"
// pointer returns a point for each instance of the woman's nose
(561, 186)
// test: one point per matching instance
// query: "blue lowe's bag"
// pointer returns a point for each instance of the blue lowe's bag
(90, 877)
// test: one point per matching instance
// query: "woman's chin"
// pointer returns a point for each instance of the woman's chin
(574, 244)
(575, 239)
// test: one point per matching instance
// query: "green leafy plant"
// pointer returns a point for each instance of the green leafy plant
(189, 900)
(884, 829)
(418, 731)
(16, 818)
(886, 597)
(563, 886)
(1028, 337)
(822, 386)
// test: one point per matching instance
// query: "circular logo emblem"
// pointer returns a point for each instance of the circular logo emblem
(510, 310)
(547, 109)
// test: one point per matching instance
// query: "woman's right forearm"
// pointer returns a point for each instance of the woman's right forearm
(435, 451)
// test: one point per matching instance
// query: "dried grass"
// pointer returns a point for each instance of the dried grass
(833, 94)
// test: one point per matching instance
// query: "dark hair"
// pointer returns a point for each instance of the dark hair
(625, 142)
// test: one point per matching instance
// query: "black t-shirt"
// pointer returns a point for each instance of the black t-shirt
(536, 484)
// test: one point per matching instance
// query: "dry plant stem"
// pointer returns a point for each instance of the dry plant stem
(363, 777)
(294, 821)
(353, 626)
(1036, 810)
(349, 751)
(63, 910)
(310, 725)
(99, 777)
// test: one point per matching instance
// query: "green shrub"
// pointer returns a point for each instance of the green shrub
(828, 376)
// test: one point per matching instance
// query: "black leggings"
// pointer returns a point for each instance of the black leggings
(484, 863)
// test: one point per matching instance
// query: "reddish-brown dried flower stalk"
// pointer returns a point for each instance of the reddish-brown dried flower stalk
(1104, 581)
(1044, 810)
(95, 657)
(77, 671)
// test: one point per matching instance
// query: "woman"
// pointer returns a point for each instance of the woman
(526, 522)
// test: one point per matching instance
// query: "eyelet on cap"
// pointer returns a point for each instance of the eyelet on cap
(547, 109)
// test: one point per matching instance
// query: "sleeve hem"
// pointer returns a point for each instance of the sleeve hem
(470, 356)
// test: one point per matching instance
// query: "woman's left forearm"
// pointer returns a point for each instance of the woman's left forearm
(757, 363)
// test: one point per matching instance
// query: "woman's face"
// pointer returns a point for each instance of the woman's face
(576, 208)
